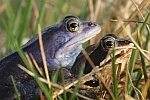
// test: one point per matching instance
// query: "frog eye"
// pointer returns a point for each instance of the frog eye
(108, 43)
(72, 26)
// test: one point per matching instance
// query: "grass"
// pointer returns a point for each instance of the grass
(15, 88)
(20, 20)
(115, 90)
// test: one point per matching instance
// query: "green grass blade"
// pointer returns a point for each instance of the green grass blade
(25, 22)
(147, 41)
(115, 85)
(142, 57)
(9, 33)
(15, 88)
(77, 85)
(43, 88)
(9, 13)
(63, 83)
(73, 95)
(138, 77)
(17, 20)
(144, 67)
(8, 18)
(132, 61)
(144, 24)
(54, 80)
(41, 14)
(58, 11)
(131, 67)
(148, 35)
(60, 98)
(145, 73)
(84, 10)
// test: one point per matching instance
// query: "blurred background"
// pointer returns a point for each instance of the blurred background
(19, 19)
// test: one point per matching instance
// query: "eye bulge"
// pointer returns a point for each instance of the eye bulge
(72, 25)
(108, 43)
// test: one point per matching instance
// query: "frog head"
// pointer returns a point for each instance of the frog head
(102, 55)
(67, 41)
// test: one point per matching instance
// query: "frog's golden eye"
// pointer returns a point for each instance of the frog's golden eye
(72, 26)
(108, 43)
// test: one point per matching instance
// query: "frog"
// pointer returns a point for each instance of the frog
(101, 55)
(62, 43)
(98, 52)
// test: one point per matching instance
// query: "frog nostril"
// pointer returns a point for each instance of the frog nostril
(91, 24)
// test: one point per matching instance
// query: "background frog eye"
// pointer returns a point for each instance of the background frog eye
(108, 44)
(72, 26)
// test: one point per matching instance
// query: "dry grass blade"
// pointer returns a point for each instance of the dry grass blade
(36, 65)
(88, 58)
(131, 83)
(94, 14)
(91, 9)
(146, 51)
(128, 97)
(35, 8)
(29, 60)
(97, 8)
(126, 77)
(32, 74)
(65, 88)
(26, 70)
(40, 93)
(140, 93)
(43, 56)
(134, 21)
(62, 88)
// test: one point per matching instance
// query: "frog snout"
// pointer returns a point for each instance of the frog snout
(91, 24)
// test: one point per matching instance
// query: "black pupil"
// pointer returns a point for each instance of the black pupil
(109, 43)
(73, 25)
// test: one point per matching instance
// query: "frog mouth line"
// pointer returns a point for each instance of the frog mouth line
(84, 39)
(120, 55)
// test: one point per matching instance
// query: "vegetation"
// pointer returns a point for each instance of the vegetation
(19, 20)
